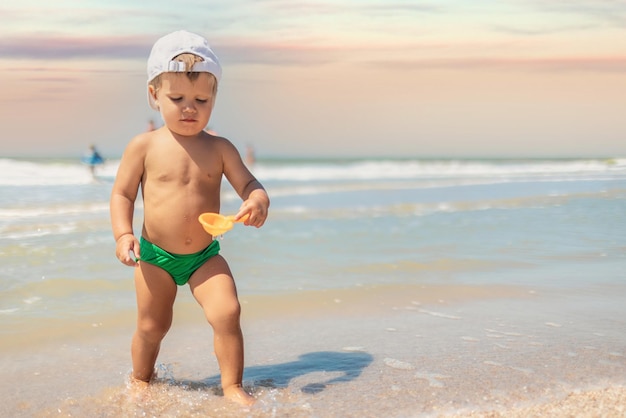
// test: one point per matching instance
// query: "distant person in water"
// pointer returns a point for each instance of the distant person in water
(92, 158)
(250, 157)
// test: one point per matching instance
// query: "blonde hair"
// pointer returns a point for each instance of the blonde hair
(189, 60)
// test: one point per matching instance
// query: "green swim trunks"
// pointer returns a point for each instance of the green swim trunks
(179, 266)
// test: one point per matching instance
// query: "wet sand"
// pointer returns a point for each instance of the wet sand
(397, 351)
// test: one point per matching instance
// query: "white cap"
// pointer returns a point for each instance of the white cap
(176, 43)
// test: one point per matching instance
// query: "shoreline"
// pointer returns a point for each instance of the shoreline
(341, 301)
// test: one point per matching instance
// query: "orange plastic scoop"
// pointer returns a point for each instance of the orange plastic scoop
(216, 224)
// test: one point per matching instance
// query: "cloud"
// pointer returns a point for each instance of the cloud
(540, 30)
(316, 7)
(399, 7)
(562, 16)
(51, 79)
(117, 48)
(612, 12)
(615, 64)
(69, 47)
(292, 53)
(300, 52)
(233, 50)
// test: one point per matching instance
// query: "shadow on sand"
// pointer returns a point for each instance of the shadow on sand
(349, 364)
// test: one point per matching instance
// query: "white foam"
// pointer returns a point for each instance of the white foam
(439, 314)
(522, 370)
(8, 311)
(31, 300)
(517, 369)
(434, 379)
(354, 349)
(398, 364)
(470, 339)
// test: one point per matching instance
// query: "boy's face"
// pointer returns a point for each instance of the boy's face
(185, 106)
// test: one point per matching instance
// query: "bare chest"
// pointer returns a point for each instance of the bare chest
(179, 168)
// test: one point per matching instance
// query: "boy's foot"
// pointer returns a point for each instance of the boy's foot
(137, 384)
(138, 389)
(236, 393)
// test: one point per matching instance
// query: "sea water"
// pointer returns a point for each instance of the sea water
(337, 223)
(334, 225)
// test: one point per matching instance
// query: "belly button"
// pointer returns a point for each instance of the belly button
(188, 241)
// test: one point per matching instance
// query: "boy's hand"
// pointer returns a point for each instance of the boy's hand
(126, 247)
(256, 205)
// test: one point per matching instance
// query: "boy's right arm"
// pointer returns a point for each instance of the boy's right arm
(122, 205)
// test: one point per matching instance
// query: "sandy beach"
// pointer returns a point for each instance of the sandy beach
(400, 351)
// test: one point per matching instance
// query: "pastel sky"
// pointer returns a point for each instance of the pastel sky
(449, 78)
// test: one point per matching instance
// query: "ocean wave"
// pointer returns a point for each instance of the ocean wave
(46, 173)
(20, 232)
(419, 209)
(56, 210)
(70, 172)
(436, 169)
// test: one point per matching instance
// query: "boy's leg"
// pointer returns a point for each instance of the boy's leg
(156, 292)
(214, 288)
